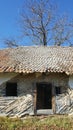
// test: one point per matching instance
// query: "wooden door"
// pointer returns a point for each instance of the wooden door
(44, 96)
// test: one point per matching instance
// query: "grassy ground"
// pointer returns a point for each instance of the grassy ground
(37, 123)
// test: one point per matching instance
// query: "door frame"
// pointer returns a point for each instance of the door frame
(53, 97)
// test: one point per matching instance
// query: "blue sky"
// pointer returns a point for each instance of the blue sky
(9, 15)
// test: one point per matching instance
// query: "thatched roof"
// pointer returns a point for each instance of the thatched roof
(37, 59)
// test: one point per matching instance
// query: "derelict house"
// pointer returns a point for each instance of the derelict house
(36, 80)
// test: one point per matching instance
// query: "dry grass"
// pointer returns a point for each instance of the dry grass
(37, 123)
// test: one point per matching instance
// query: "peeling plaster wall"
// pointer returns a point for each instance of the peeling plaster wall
(55, 78)
(64, 102)
(23, 104)
(71, 81)
(6, 76)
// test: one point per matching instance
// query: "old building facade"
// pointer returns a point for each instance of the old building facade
(35, 81)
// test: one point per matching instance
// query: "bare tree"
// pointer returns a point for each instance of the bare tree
(41, 22)
(63, 32)
(10, 43)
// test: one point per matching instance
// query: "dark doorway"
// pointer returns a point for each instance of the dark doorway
(11, 89)
(44, 96)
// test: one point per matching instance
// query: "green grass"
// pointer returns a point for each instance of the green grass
(37, 123)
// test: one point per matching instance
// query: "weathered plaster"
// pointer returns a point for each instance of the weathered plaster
(71, 81)
(6, 76)
(24, 104)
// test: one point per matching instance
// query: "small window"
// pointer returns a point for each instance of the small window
(11, 89)
(58, 90)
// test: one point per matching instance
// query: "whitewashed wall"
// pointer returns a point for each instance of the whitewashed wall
(6, 76)
(71, 81)
(23, 104)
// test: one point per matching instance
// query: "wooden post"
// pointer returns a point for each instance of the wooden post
(35, 99)
(53, 100)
